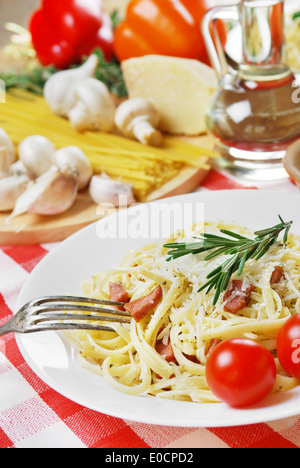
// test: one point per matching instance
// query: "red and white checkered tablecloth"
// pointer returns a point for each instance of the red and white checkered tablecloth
(32, 415)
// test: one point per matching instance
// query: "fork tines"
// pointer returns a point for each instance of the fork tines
(50, 309)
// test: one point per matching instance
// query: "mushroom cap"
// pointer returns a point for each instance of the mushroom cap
(135, 108)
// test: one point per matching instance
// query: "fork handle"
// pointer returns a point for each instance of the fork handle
(8, 327)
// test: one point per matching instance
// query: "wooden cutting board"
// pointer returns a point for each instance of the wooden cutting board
(32, 229)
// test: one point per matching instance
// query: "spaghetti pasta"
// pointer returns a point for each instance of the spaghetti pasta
(186, 319)
(146, 168)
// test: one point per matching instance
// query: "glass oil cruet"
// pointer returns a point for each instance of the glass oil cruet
(254, 115)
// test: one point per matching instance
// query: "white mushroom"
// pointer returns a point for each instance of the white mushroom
(10, 190)
(51, 194)
(138, 118)
(73, 157)
(35, 152)
(94, 107)
(6, 142)
(59, 89)
(106, 190)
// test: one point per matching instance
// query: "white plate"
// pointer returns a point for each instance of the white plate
(62, 272)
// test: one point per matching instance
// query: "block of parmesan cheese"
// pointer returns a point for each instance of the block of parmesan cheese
(180, 89)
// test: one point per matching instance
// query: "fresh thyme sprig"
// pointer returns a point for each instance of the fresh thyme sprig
(239, 248)
(34, 79)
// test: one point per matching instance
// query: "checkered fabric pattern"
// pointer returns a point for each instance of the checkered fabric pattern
(32, 415)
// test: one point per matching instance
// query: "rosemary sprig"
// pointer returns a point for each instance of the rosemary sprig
(240, 249)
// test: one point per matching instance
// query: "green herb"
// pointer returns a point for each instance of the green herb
(115, 18)
(239, 248)
(35, 79)
(296, 15)
(111, 74)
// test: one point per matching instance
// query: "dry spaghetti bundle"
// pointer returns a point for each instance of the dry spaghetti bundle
(146, 168)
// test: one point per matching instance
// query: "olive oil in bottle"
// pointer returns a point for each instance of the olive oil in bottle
(255, 115)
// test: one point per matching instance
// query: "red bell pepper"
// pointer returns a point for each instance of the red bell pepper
(64, 31)
(164, 27)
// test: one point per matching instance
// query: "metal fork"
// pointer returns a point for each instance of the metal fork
(55, 313)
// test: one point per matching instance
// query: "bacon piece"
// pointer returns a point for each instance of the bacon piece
(118, 294)
(192, 358)
(277, 275)
(237, 297)
(140, 308)
(213, 344)
(165, 351)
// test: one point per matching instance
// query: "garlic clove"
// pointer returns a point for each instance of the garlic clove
(10, 190)
(137, 118)
(18, 168)
(51, 194)
(6, 142)
(35, 152)
(73, 157)
(94, 108)
(59, 89)
(106, 190)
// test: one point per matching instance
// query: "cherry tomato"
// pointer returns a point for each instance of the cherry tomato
(288, 346)
(240, 372)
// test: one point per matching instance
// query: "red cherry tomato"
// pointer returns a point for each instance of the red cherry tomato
(240, 372)
(288, 346)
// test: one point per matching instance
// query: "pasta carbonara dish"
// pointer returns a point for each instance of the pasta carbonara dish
(164, 350)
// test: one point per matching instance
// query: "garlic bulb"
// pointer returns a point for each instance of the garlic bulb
(94, 107)
(51, 194)
(35, 152)
(73, 157)
(6, 142)
(59, 89)
(5, 162)
(105, 190)
(10, 190)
